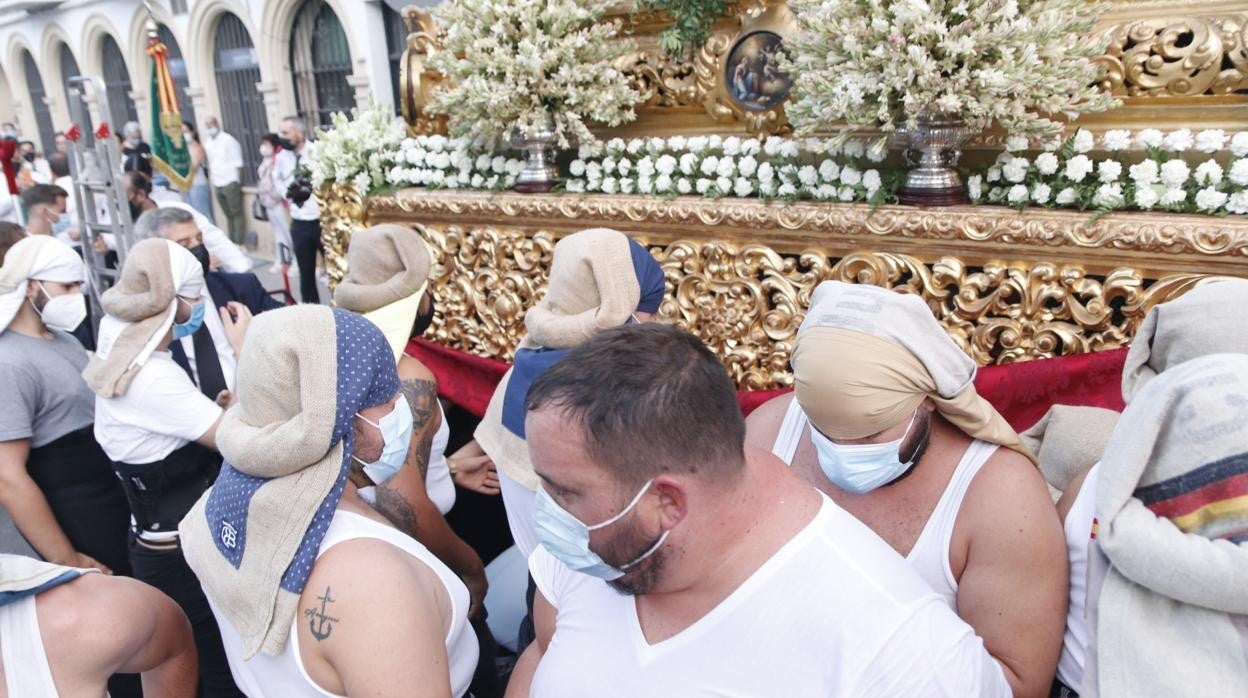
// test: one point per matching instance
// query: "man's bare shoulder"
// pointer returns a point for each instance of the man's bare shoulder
(763, 424)
(411, 368)
(1009, 495)
(96, 619)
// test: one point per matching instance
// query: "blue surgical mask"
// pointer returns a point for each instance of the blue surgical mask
(863, 467)
(61, 224)
(396, 435)
(192, 324)
(567, 538)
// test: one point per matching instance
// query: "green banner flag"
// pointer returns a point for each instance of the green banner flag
(170, 155)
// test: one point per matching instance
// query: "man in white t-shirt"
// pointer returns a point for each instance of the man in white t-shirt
(707, 569)
(156, 426)
(225, 173)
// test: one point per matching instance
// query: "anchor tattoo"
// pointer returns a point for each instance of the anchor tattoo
(320, 624)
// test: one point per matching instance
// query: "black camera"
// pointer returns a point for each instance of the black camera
(299, 191)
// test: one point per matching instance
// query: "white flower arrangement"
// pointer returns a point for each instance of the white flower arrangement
(1159, 179)
(511, 64)
(371, 152)
(359, 148)
(879, 65)
(720, 167)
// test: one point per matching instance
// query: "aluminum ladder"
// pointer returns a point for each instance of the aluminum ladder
(103, 209)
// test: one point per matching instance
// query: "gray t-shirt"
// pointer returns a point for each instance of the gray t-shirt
(45, 395)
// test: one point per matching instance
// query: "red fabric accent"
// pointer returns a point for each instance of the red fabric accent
(8, 148)
(1021, 392)
(1232, 487)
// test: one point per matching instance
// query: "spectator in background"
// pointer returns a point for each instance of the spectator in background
(225, 172)
(206, 354)
(143, 197)
(200, 195)
(66, 228)
(136, 156)
(45, 206)
(8, 154)
(34, 168)
(273, 198)
(62, 144)
(305, 214)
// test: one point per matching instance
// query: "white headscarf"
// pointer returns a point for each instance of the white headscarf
(188, 280)
(38, 257)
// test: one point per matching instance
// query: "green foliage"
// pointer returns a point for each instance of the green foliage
(692, 26)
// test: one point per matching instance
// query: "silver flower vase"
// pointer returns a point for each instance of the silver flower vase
(932, 180)
(540, 173)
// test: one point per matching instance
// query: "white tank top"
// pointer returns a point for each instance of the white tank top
(438, 482)
(1078, 526)
(930, 554)
(26, 670)
(284, 676)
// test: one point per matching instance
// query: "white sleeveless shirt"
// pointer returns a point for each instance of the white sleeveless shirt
(284, 676)
(438, 482)
(930, 554)
(26, 669)
(1080, 527)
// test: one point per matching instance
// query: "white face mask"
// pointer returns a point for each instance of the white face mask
(64, 312)
(861, 468)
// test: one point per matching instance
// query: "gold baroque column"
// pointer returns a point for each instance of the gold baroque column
(343, 210)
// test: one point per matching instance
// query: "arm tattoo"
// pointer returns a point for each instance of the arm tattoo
(422, 397)
(395, 508)
(319, 623)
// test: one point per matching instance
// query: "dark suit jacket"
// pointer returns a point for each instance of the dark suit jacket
(223, 287)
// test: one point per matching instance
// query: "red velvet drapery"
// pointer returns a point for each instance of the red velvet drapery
(1021, 392)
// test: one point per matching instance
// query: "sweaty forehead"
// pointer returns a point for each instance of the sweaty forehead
(557, 447)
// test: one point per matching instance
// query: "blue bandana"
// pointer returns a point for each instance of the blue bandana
(531, 363)
(366, 377)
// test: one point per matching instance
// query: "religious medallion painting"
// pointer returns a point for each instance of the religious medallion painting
(753, 73)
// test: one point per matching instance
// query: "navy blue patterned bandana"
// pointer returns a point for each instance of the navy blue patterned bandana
(366, 377)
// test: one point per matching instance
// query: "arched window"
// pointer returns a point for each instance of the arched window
(117, 85)
(177, 67)
(320, 61)
(396, 43)
(38, 101)
(242, 108)
(69, 69)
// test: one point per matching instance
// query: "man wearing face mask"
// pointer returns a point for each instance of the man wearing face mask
(675, 562)
(55, 481)
(222, 252)
(45, 206)
(157, 427)
(206, 355)
(316, 593)
(387, 282)
(225, 172)
(136, 155)
(885, 420)
(305, 215)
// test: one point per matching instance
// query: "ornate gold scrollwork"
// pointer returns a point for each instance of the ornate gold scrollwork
(665, 82)
(1183, 56)
(342, 211)
(417, 81)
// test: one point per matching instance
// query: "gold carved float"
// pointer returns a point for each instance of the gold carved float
(1008, 286)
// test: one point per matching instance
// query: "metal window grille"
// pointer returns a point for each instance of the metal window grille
(38, 101)
(177, 68)
(69, 69)
(242, 108)
(117, 84)
(396, 43)
(320, 61)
